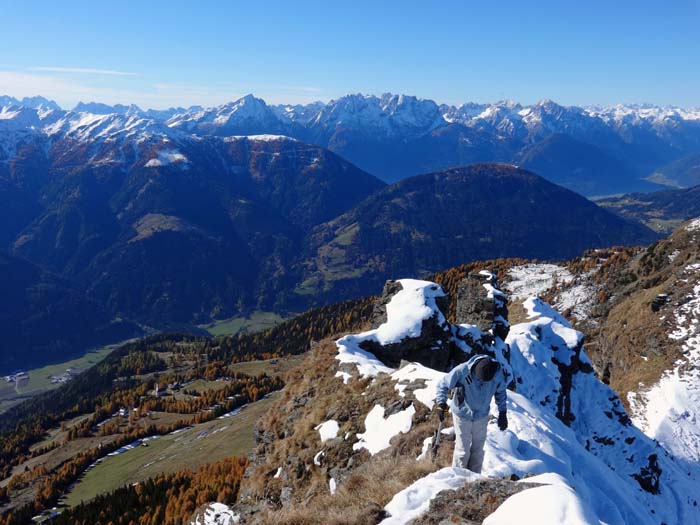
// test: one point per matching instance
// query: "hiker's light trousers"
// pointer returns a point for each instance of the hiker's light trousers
(470, 437)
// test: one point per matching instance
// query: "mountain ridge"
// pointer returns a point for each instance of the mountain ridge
(428, 222)
(419, 135)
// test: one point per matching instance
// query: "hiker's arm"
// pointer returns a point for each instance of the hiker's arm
(445, 385)
(500, 396)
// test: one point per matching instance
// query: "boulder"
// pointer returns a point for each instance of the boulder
(480, 303)
(431, 348)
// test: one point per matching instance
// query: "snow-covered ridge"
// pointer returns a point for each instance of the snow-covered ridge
(566, 428)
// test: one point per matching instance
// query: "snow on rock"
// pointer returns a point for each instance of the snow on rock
(216, 514)
(278, 473)
(546, 505)
(406, 312)
(332, 486)
(318, 457)
(417, 372)
(617, 471)
(537, 442)
(491, 290)
(328, 430)
(414, 500)
(379, 429)
(166, 157)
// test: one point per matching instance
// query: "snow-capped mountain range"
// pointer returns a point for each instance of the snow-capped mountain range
(394, 113)
(394, 136)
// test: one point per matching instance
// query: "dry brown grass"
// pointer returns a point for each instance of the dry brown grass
(358, 500)
(365, 483)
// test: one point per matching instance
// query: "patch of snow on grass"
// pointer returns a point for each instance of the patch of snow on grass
(218, 514)
(534, 280)
(414, 500)
(427, 443)
(379, 430)
(344, 375)
(578, 299)
(328, 430)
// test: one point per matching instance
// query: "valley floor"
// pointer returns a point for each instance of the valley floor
(192, 447)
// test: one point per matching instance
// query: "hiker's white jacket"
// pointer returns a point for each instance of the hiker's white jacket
(477, 393)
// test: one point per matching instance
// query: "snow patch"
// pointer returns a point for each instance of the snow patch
(417, 372)
(535, 279)
(693, 225)
(328, 430)
(380, 430)
(344, 375)
(218, 514)
(166, 157)
(669, 411)
(427, 443)
(414, 500)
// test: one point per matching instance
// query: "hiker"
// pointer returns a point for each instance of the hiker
(474, 384)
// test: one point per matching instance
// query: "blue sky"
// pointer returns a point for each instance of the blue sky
(160, 54)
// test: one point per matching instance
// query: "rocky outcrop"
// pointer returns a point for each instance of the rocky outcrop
(482, 303)
(432, 348)
(479, 303)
